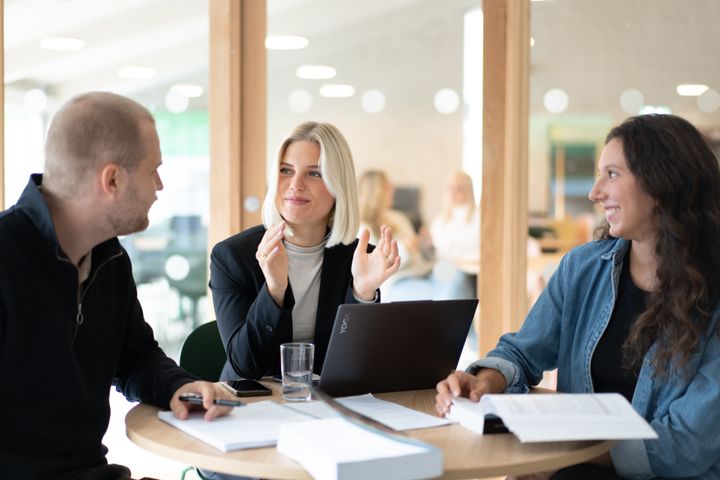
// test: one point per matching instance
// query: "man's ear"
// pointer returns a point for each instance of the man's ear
(113, 179)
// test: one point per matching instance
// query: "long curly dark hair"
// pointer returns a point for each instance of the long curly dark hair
(674, 164)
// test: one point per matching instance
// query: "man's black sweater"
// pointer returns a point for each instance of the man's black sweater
(62, 346)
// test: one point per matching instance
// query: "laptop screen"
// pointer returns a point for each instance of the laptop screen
(385, 347)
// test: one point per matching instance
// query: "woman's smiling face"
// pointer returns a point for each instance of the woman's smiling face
(629, 210)
(302, 197)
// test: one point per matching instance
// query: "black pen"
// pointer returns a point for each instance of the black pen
(198, 400)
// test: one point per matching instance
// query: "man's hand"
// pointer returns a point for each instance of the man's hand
(209, 391)
(461, 384)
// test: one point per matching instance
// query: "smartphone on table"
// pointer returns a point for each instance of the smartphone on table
(246, 388)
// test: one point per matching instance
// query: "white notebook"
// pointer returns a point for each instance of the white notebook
(555, 417)
(338, 449)
(254, 425)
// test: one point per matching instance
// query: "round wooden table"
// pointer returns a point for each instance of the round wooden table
(465, 453)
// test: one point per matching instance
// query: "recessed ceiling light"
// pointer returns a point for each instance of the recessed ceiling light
(315, 72)
(64, 44)
(532, 41)
(690, 89)
(373, 101)
(136, 73)
(660, 109)
(556, 100)
(631, 101)
(285, 42)
(709, 101)
(337, 90)
(299, 101)
(176, 102)
(190, 91)
(446, 100)
(35, 100)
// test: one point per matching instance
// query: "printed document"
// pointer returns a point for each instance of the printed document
(555, 417)
(254, 425)
(389, 414)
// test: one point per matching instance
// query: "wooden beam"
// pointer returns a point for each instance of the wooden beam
(503, 252)
(237, 99)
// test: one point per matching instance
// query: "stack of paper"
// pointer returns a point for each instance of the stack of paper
(561, 417)
(389, 414)
(254, 425)
(337, 449)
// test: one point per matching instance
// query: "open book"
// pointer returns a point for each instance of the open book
(342, 449)
(551, 418)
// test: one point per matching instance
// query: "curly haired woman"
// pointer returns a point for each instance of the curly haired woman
(635, 312)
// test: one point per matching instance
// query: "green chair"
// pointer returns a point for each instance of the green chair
(203, 353)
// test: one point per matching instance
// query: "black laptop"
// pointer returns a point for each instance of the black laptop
(387, 347)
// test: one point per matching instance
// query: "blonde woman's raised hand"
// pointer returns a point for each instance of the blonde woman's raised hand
(273, 260)
(370, 270)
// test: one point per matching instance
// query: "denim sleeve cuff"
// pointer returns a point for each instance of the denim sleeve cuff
(508, 369)
(630, 459)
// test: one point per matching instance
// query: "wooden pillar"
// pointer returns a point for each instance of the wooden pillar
(237, 103)
(501, 286)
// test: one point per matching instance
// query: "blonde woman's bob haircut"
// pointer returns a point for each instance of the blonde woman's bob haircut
(338, 174)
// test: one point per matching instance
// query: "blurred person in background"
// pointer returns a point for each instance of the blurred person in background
(455, 237)
(411, 282)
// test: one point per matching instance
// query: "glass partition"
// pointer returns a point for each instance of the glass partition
(155, 52)
(594, 64)
(402, 81)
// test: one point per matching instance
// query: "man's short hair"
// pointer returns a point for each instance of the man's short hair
(92, 130)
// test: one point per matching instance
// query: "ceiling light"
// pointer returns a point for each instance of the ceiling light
(64, 44)
(690, 89)
(176, 102)
(299, 101)
(660, 109)
(556, 100)
(532, 41)
(373, 101)
(190, 91)
(285, 42)
(35, 100)
(709, 101)
(315, 72)
(631, 101)
(136, 73)
(446, 101)
(337, 90)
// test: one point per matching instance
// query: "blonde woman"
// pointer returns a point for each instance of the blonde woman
(455, 236)
(283, 281)
(455, 232)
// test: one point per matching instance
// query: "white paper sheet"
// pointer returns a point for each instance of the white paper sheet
(391, 414)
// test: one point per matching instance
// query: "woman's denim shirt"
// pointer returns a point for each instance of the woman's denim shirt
(562, 330)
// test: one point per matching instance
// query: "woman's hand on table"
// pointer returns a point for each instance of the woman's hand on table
(461, 384)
